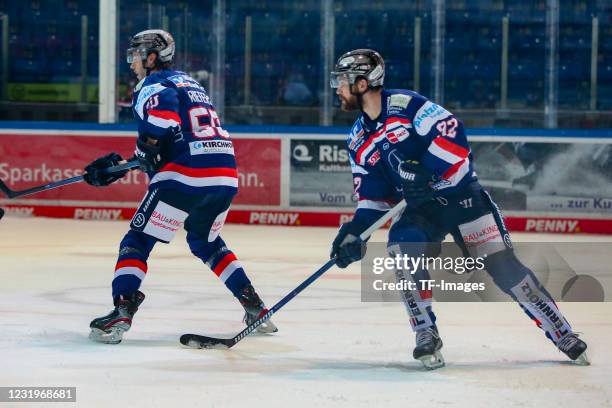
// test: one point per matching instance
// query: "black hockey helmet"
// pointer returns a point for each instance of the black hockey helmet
(148, 41)
(360, 63)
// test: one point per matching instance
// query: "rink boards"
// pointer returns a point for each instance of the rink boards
(301, 176)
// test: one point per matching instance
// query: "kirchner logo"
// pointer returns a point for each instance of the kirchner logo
(211, 147)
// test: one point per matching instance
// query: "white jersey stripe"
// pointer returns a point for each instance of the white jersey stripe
(361, 159)
(373, 205)
(443, 154)
(194, 181)
(161, 122)
(357, 169)
(229, 269)
(460, 173)
(130, 270)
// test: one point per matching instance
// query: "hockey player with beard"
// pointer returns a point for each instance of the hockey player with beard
(190, 161)
(403, 146)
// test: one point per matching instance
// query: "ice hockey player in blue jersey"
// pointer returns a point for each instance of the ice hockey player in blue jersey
(403, 146)
(190, 161)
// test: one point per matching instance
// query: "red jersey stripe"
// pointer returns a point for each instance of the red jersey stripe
(368, 143)
(451, 147)
(452, 170)
(165, 114)
(204, 172)
(403, 121)
(363, 148)
(226, 260)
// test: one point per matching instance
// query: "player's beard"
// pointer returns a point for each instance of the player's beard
(349, 104)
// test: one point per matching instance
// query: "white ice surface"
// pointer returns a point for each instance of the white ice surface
(332, 349)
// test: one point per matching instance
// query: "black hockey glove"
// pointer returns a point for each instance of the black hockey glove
(347, 245)
(94, 174)
(149, 155)
(417, 183)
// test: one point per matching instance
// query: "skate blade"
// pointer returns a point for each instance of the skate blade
(113, 337)
(583, 360)
(432, 361)
(267, 328)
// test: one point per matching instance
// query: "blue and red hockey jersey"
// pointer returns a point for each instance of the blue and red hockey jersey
(409, 127)
(173, 108)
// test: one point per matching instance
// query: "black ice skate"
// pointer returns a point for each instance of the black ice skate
(109, 329)
(427, 350)
(574, 348)
(254, 308)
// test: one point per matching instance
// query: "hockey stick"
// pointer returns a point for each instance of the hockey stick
(13, 194)
(200, 341)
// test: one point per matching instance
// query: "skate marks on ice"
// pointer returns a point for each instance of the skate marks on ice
(487, 374)
(331, 350)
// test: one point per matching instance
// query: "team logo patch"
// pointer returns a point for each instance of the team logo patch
(139, 220)
(507, 240)
(356, 140)
(397, 135)
(399, 101)
(356, 143)
(374, 158)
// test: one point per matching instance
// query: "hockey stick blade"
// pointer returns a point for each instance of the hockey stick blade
(197, 341)
(207, 342)
(13, 194)
(200, 341)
